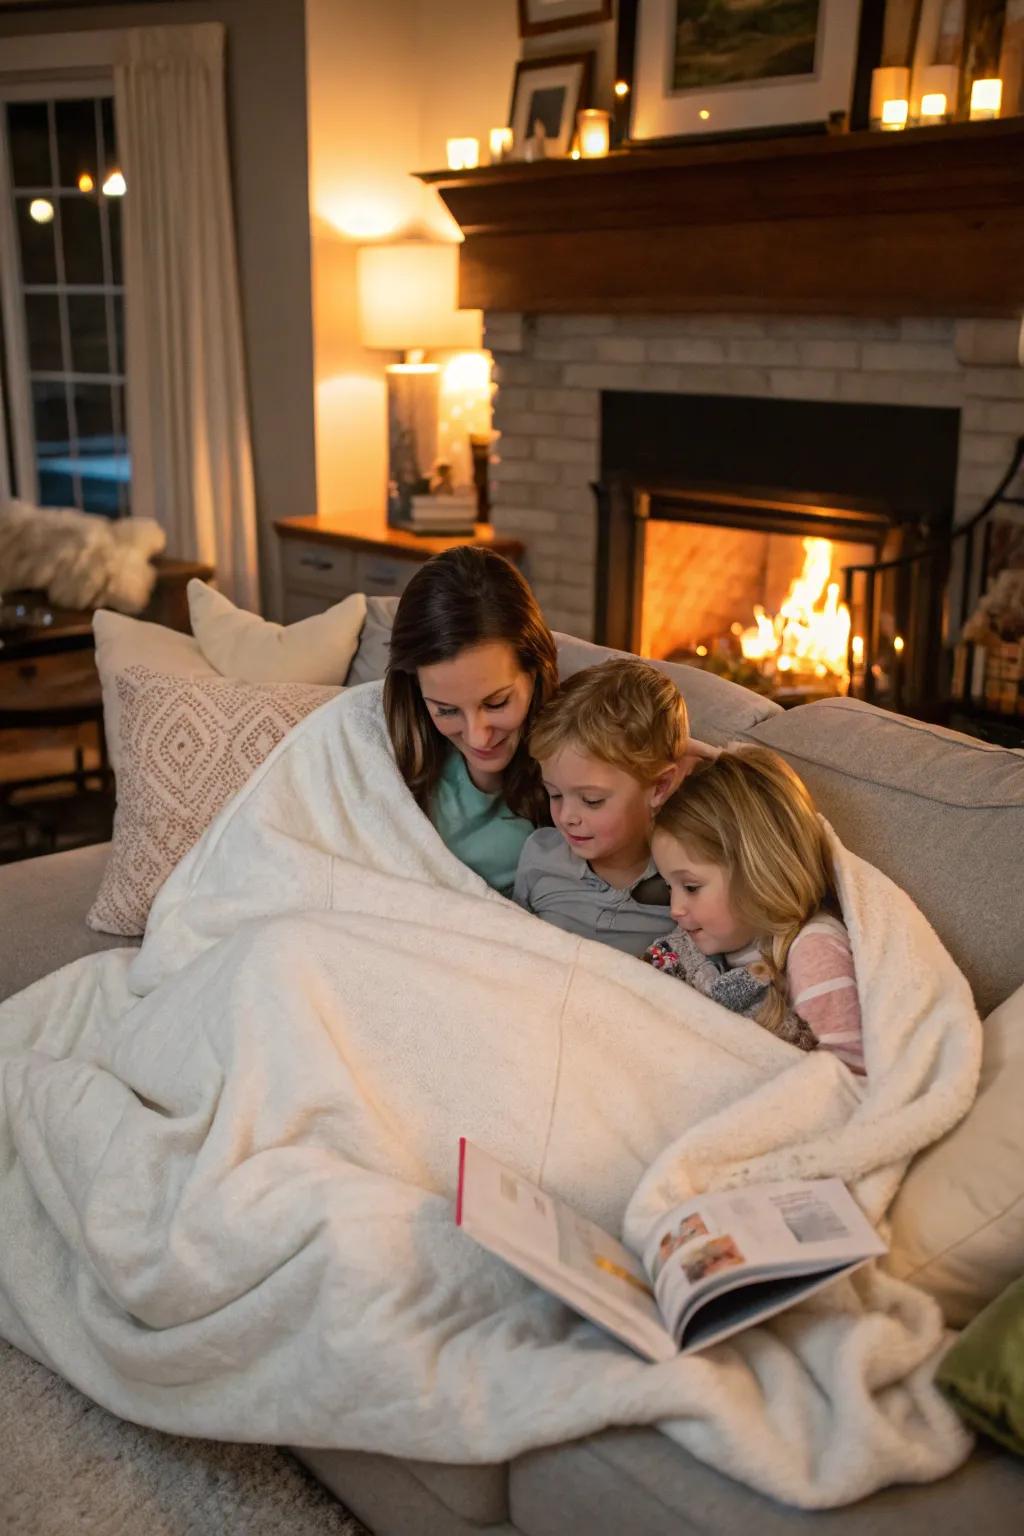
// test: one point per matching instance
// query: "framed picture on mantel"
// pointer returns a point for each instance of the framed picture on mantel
(741, 66)
(547, 92)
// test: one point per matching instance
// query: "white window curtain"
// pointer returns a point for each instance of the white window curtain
(189, 426)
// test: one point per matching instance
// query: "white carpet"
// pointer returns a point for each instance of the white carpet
(68, 1468)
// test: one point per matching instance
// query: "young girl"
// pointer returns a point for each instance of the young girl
(753, 896)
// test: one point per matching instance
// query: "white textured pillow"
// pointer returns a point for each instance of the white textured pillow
(188, 744)
(122, 643)
(242, 645)
(958, 1220)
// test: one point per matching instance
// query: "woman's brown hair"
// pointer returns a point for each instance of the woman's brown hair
(465, 597)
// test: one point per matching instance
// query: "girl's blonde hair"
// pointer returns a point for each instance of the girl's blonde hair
(624, 712)
(750, 813)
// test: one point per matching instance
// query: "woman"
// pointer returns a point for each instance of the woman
(471, 663)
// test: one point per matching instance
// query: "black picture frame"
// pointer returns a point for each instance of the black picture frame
(575, 13)
(571, 73)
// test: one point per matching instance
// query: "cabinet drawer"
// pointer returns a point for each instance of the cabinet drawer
(382, 576)
(320, 567)
(303, 605)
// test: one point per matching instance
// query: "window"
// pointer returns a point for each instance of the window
(63, 304)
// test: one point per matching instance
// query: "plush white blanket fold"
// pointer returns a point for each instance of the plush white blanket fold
(227, 1164)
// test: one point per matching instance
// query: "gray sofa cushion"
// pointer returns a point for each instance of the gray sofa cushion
(414, 1498)
(370, 661)
(637, 1480)
(44, 902)
(941, 814)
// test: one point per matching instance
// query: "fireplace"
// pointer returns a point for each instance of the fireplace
(764, 578)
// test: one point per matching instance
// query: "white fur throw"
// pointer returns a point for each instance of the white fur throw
(227, 1164)
(81, 560)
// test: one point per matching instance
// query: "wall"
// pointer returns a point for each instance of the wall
(551, 369)
(267, 129)
(387, 85)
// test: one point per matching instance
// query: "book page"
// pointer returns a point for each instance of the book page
(718, 1242)
(560, 1249)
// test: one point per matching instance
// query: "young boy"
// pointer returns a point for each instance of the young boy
(612, 745)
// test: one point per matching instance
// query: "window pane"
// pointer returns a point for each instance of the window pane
(76, 141)
(42, 321)
(120, 421)
(101, 468)
(49, 407)
(83, 251)
(119, 332)
(87, 320)
(56, 487)
(94, 415)
(28, 126)
(109, 135)
(124, 499)
(56, 480)
(38, 258)
(114, 217)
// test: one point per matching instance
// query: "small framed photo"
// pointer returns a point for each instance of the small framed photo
(549, 92)
(539, 16)
(741, 66)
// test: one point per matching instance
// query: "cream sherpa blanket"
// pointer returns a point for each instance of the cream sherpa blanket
(227, 1165)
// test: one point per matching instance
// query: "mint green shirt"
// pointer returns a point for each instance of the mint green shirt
(476, 826)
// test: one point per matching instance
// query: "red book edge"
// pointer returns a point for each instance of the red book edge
(462, 1175)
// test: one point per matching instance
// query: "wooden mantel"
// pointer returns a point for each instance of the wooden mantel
(925, 222)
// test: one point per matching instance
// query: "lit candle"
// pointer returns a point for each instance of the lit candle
(593, 126)
(939, 85)
(890, 92)
(463, 154)
(986, 99)
(500, 143)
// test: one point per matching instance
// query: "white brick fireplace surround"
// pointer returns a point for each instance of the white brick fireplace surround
(551, 369)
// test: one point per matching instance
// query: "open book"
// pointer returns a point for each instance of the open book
(714, 1265)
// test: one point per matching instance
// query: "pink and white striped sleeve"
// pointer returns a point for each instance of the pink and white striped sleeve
(823, 989)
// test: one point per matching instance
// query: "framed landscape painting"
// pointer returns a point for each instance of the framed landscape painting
(734, 66)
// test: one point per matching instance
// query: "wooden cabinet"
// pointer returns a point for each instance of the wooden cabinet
(323, 561)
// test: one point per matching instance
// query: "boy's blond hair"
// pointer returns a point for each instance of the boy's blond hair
(623, 712)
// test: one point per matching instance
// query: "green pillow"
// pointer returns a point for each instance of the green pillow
(983, 1374)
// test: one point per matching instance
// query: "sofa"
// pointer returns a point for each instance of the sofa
(943, 815)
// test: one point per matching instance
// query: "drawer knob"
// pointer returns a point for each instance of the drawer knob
(315, 563)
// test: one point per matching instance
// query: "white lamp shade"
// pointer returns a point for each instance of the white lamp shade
(408, 297)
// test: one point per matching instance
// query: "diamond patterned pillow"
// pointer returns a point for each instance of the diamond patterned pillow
(187, 745)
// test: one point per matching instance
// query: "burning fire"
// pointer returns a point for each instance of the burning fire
(811, 630)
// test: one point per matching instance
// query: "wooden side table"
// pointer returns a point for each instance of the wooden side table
(49, 688)
(326, 559)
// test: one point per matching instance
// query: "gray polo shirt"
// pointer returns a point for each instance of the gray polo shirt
(560, 887)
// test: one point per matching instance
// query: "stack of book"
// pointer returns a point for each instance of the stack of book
(443, 513)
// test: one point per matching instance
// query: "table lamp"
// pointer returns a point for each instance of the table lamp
(408, 294)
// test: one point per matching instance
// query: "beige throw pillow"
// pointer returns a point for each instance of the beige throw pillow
(187, 745)
(240, 644)
(958, 1220)
(123, 643)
